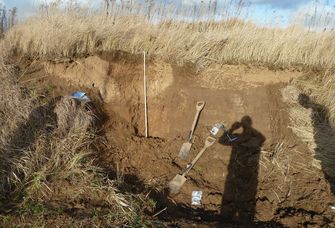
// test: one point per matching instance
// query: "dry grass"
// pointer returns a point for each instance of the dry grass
(321, 88)
(59, 33)
(14, 112)
(310, 125)
(47, 158)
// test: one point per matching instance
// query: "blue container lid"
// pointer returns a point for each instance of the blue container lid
(81, 96)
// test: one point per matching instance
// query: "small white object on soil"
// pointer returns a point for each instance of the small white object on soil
(215, 130)
(196, 198)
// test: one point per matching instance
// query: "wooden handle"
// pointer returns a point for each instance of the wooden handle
(209, 142)
(200, 105)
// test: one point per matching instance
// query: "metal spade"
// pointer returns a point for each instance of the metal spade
(179, 180)
(186, 147)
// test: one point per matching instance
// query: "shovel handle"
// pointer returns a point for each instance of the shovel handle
(199, 107)
(209, 142)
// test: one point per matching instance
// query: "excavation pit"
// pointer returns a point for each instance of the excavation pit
(238, 183)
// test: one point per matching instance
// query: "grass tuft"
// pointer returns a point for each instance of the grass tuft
(47, 159)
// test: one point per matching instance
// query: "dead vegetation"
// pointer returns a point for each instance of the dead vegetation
(57, 33)
(47, 162)
(312, 121)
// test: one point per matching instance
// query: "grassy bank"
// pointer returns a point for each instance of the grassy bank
(70, 32)
(48, 168)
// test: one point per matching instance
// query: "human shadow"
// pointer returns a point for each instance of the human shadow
(42, 122)
(239, 196)
(22, 140)
(41, 119)
(26, 134)
(324, 138)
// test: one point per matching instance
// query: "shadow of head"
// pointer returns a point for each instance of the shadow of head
(250, 137)
(304, 100)
(246, 122)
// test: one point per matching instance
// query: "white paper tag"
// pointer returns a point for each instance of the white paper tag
(196, 198)
(214, 131)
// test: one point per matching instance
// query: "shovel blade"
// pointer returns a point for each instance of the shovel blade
(176, 183)
(185, 150)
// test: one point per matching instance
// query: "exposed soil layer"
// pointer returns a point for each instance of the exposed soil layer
(275, 185)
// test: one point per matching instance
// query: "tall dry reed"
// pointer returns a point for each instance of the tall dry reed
(57, 33)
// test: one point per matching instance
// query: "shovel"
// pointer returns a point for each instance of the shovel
(179, 180)
(186, 147)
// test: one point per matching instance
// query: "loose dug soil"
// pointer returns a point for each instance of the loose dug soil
(276, 185)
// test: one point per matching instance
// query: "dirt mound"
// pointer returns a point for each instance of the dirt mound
(275, 183)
